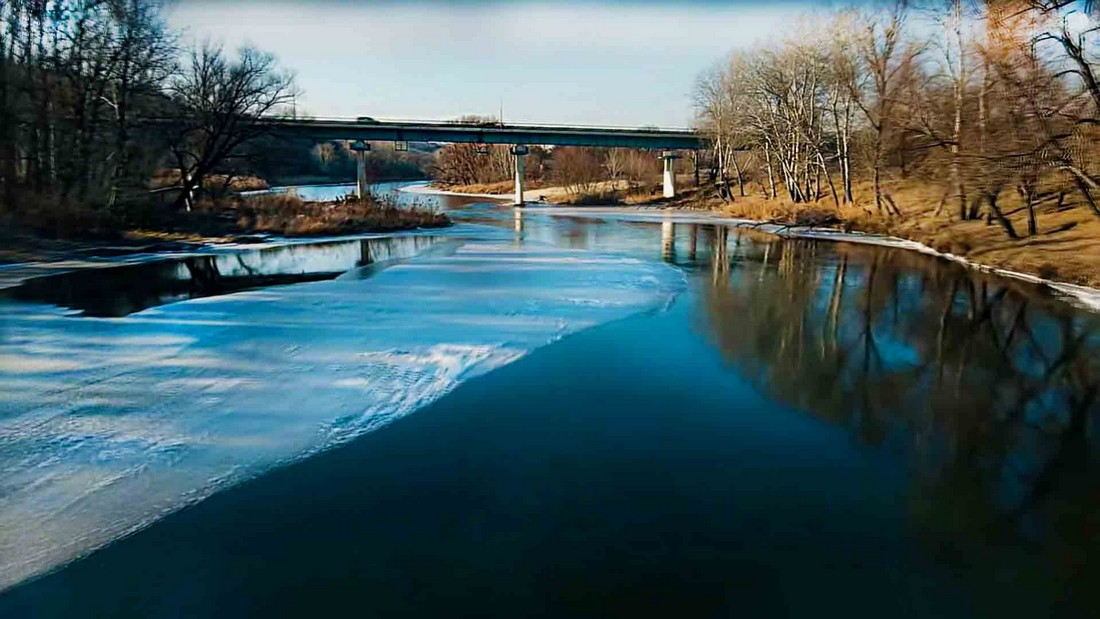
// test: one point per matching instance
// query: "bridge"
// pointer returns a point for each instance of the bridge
(519, 136)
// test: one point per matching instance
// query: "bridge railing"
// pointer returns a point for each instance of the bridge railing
(487, 125)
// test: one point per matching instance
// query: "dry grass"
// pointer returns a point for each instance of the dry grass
(607, 193)
(603, 193)
(47, 228)
(597, 197)
(56, 217)
(1067, 247)
(644, 197)
(213, 183)
(290, 216)
(500, 187)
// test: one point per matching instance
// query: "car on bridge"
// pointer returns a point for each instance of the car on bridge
(365, 119)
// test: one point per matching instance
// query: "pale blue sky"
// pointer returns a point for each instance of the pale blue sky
(620, 63)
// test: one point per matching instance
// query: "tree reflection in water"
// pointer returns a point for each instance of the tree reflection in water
(988, 386)
(127, 288)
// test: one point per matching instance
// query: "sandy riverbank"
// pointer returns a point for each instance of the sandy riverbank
(541, 195)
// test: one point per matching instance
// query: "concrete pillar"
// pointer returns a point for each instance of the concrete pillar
(668, 240)
(519, 153)
(669, 159)
(361, 175)
(360, 149)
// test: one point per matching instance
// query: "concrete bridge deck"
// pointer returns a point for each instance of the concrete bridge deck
(520, 136)
(485, 133)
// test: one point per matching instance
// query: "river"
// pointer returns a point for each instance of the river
(532, 414)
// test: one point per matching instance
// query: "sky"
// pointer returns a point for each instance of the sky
(629, 63)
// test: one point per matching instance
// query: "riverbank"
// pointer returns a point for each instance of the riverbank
(241, 219)
(1086, 297)
(1022, 260)
(314, 179)
(604, 193)
(1064, 249)
(289, 215)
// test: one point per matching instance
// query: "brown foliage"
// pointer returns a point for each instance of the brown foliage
(213, 183)
(286, 214)
(991, 107)
(1066, 248)
(58, 217)
(578, 168)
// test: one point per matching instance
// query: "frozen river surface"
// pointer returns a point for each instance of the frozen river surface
(108, 424)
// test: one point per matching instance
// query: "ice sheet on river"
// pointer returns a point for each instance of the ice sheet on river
(108, 424)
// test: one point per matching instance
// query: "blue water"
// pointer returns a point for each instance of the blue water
(326, 193)
(808, 429)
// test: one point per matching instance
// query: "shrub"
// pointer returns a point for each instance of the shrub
(287, 214)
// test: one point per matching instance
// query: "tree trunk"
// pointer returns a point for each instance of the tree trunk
(991, 199)
(956, 134)
(7, 123)
(122, 133)
(1032, 225)
(739, 173)
(771, 174)
(846, 156)
(877, 180)
(829, 178)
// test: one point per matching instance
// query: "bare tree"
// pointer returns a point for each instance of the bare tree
(844, 81)
(887, 57)
(1002, 119)
(615, 162)
(73, 74)
(220, 103)
(325, 153)
(145, 52)
(578, 168)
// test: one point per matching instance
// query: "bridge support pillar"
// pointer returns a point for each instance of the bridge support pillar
(668, 240)
(669, 158)
(360, 150)
(361, 176)
(519, 154)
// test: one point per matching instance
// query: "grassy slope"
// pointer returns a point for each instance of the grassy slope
(1067, 247)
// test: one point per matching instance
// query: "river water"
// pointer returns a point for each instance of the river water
(539, 415)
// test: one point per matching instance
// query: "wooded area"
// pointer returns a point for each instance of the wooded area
(107, 120)
(80, 81)
(989, 110)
